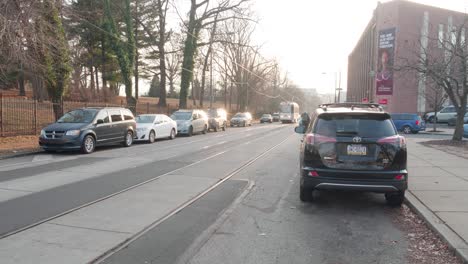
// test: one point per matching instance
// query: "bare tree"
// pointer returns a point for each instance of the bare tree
(201, 15)
(443, 62)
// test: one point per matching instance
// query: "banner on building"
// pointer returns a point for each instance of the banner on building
(384, 76)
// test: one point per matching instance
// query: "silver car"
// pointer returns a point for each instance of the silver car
(241, 119)
(190, 121)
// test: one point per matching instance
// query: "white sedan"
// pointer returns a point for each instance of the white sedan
(153, 126)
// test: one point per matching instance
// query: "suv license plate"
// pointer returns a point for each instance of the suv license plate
(357, 150)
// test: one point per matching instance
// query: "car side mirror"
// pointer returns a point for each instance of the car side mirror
(99, 121)
(300, 129)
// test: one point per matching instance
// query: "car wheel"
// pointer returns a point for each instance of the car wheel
(173, 134)
(407, 129)
(306, 195)
(152, 137)
(244, 124)
(224, 127)
(232, 125)
(395, 199)
(205, 129)
(88, 145)
(431, 119)
(215, 129)
(128, 139)
(190, 131)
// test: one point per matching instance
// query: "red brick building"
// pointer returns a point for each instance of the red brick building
(397, 31)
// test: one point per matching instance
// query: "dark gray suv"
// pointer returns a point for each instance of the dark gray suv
(352, 146)
(84, 129)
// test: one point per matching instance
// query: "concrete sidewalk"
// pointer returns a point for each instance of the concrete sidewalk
(438, 191)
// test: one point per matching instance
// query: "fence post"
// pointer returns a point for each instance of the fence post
(1, 115)
(35, 116)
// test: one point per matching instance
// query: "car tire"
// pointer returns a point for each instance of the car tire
(173, 134)
(205, 130)
(232, 125)
(430, 119)
(306, 195)
(215, 129)
(395, 199)
(224, 126)
(407, 129)
(152, 137)
(128, 141)
(88, 145)
(244, 124)
(190, 131)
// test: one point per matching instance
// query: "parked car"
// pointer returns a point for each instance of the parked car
(453, 121)
(266, 118)
(217, 119)
(84, 129)
(408, 123)
(443, 115)
(465, 131)
(241, 119)
(276, 117)
(151, 127)
(353, 147)
(190, 121)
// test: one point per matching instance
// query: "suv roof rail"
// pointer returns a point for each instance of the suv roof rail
(352, 105)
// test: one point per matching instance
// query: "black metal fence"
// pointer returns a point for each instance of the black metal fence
(22, 116)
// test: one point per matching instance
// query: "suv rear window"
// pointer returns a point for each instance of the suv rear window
(365, 126)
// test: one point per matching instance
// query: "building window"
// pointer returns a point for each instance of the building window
(441, 36)
(462, 37)
(453, 36)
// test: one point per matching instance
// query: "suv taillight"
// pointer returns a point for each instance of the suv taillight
(417, 122)
(312, 139)
(398, 141)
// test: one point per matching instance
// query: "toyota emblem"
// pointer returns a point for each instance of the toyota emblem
(357, 139)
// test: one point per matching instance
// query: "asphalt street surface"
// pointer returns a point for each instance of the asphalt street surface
(225, 197)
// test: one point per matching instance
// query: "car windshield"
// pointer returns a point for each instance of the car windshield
(145, 119)
(79, 116)
(181, 115)
(239, 115)
(266, 115)
(365, 126)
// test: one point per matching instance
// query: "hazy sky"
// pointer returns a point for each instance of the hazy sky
(310, 37)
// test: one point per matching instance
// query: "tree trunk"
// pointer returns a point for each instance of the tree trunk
(91, 72)
(103, 61)
(461, 111)
(137, 73)
(22, 91)
(57, 107)
(203, 81)
(96, 72)
(190, 47)
(162, 54)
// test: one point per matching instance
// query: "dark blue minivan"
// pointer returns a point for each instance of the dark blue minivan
(408, 123)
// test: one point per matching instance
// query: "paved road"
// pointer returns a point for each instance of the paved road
(226, 197)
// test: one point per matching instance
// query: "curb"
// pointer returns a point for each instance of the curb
(21, 154)
(454, 241)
